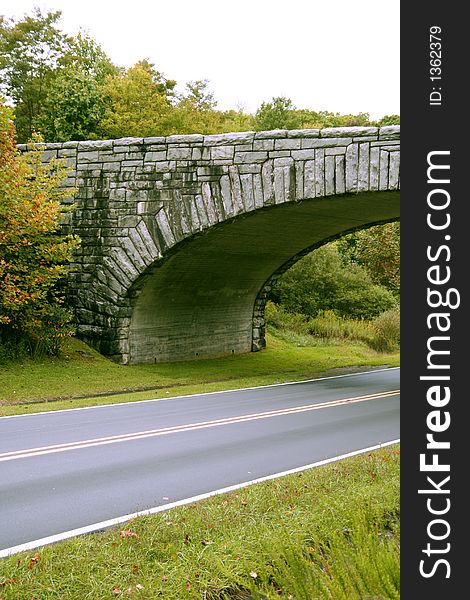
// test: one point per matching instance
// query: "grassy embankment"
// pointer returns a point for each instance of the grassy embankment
(327, 533)
(62, 382)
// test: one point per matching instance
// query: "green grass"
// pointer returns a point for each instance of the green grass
(328, 328)
(62, 382)
(330, 533)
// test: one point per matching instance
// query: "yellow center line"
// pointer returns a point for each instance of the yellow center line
(28, 452)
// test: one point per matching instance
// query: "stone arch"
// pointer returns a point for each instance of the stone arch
(207, 298)
(204, 222)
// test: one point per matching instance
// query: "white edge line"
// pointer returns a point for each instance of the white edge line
(258, 387)
(164, 507)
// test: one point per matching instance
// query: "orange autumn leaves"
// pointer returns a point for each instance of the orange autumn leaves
(33, 254)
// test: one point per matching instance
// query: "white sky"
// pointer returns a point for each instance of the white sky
(336, 55)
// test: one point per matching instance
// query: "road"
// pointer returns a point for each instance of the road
(66, 470)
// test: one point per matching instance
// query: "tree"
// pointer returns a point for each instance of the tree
(389, 120)
(277, 114)
(140, 103)
(198, 97)
(320, 281)
(86, 56)
(76, 100)
(29, 54)
(74, 108)
(33, 254)
(280, 113)
(378, 250)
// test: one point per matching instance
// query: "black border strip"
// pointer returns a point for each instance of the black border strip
(434, 271)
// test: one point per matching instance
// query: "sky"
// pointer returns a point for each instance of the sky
(340, 56)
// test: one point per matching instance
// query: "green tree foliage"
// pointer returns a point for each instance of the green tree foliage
(277, 114)
(86, 56)
(378, 250)
(196, 112)
(320, 281)
(388, 120)
(30, 51)
(33, 255)
(281, 113)
(140, 103)
(74, 108)
(56, 82)
(198, 96)
(68, 88)
(76, 101)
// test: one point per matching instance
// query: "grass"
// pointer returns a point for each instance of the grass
(327, 328)
(62, 382)
(329, 533)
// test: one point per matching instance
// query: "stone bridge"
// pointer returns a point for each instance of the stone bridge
(183, 236)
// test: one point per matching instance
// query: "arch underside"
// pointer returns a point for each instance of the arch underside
(206, 299)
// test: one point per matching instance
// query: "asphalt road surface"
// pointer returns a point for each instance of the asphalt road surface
(66, 470)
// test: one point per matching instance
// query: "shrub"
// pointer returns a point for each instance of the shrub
(321, 282)
(387, 331)
(281, 319)
(330, 325)
(33, 254)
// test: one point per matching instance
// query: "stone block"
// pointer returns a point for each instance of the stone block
(340, 179)
(129, 141)
(209, 203)
(132, 163)
(222, 152)
(325, 142)
(274, 134)
(247, 191)
(363, 168)
(66, 152)
(112, 166)
(243, 147)
(389, 132)
(394, 171)
(332, 132)
(283, 162)
(258, 190)
(185, 138)
(93, 145)
(352, 162)
(88, 157)
(303, 133)
(155, 156)
(299, 180)
(243, 169)
(374, 168)
(183, 153)
(303, 154)
(148, 141)
(319, 172)
(335, 151)
(287, 144)
(329, 175)
(196, 153)
(383, 170)
(263, 145)
(250, 157)
(226, 192)
(236, 189)
(227, 139)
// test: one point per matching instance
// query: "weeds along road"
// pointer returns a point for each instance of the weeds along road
(83, 469)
